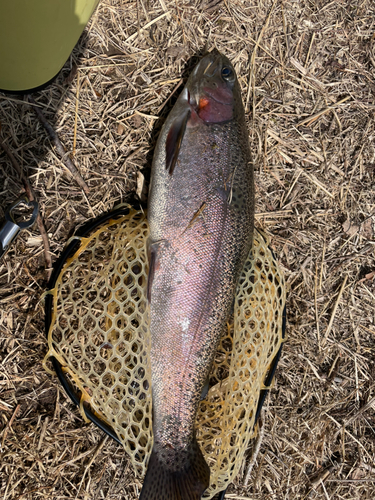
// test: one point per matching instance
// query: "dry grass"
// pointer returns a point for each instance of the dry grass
(307, 70)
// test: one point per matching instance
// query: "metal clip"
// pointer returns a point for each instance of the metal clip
(10, 229)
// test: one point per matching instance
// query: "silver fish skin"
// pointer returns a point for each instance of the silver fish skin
(201, 216)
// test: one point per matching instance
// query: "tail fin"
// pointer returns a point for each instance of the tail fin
(176, 475)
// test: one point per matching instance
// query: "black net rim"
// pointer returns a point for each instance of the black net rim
(68, 251)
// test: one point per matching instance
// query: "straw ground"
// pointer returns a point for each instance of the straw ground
(307, 71)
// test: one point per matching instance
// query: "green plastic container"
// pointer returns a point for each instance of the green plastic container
(36, 39)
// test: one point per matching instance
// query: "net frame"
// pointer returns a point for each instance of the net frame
(79, 395)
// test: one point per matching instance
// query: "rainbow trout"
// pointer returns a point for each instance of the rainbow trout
(201, 210)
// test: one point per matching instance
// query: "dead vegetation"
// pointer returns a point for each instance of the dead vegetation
(307, 71)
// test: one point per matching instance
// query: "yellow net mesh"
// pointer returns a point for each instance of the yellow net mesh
(99, 334)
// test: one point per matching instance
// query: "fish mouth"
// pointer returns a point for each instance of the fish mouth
(211, 68)
(213, 63)
(217, 90)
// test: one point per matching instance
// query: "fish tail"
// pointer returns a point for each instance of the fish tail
(176, 475)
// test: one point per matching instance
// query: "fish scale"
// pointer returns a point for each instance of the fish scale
(201, 211)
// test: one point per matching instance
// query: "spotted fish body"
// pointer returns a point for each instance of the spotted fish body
(201, 210)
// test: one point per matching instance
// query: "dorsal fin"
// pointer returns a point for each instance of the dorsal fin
(174, 140)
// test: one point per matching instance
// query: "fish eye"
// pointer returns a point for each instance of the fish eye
(226, 73)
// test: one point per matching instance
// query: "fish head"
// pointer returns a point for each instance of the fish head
(211, 88)
(211, 96)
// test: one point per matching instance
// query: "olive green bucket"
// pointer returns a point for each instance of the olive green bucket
(36, 39)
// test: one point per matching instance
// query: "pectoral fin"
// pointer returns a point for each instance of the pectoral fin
(174, 140)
